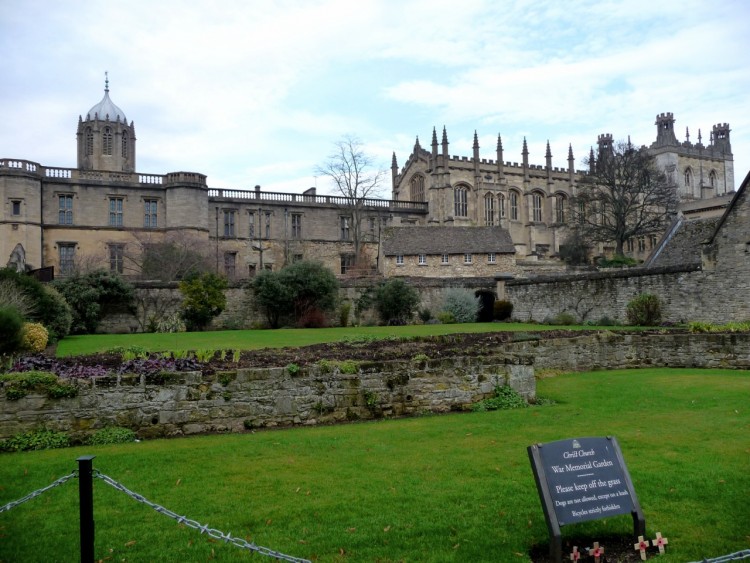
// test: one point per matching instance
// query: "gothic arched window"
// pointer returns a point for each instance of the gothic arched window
(89, 149)
(489, 210)
(560, 208)
(688, 178)
(461, 201)
(416, 188)
(536, 208)
(501, 202)
(124, 146)
(514, 206)
(107, 141)
(712, 179)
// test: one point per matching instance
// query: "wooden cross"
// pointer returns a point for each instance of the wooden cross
(596, 552)
(659, 542)
(576, 555)
(641, 546)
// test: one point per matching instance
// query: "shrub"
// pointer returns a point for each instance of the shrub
(90, 295)
(562, 318)
(502, 310)
(15, 296)
(11, 325)
(446, 318)
(346, 308)
(644, 310)
(617, 262)
(47, 305)
(395, 301)
(34, 337)
(271, 296)
(170, 323)
(425, 315)
(462, 304)
(111, 435)
(505, 398)
(311, 286)
(606, 321)
(203, 299)
(35, 440)
(19, 384)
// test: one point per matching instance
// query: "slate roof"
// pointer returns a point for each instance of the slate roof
(682, 244)
(446, 240)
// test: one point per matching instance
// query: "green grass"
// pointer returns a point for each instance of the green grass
(437, 488)
(254, 339)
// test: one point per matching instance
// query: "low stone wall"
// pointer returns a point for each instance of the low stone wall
(189, 403)
(608, 350)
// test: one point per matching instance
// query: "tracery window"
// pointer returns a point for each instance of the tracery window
(501, 201)
(107, 141)
(461, 201)
(489, 210)
(89, 149)
(416, 188)
(688, 178)
(536, 208)
(514, 206)
(124, 146)
(560, 209)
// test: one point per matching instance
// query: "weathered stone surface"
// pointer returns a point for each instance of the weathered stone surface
(258, 398)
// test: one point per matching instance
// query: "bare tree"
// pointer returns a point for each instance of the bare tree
(623, 196)
(357, 178)
(167, 258)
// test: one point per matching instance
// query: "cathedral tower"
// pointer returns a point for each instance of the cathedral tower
(105, 140)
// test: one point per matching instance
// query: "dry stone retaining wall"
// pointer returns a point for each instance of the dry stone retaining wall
(190, 403)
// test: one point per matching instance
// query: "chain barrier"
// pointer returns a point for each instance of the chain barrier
(204, 529)
(745, 554)
(38, 492)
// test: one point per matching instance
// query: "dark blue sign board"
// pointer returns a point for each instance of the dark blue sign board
(582, 479)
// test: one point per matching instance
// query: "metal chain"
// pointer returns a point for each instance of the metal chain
(745, 554)
(204, 529)
(38, 492)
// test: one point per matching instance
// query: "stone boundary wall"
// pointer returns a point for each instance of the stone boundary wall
(685, 295)
(189, 403)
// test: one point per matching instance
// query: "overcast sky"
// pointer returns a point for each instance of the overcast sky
(257, 92)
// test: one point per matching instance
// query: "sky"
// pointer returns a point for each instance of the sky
(258, 92)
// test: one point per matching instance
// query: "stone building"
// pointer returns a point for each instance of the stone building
(448, 252)
(532, 201)
(105, 213)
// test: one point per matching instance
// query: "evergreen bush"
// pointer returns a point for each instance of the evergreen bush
(644, 310)
(34, 337)
(203, 299)
(462, 304)
(11, 325)
(395, 301)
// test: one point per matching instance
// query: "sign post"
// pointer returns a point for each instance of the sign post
(582, 479)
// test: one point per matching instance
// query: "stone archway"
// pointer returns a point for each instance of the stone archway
(486, 305)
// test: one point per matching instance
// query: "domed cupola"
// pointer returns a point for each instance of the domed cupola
(105, 140)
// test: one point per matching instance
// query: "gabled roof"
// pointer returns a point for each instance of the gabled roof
(730, 208)
(682, 243)
(447, 240)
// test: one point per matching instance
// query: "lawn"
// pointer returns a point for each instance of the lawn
(254, 339)
(436, 488)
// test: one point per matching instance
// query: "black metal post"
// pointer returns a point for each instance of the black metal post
(86, 497)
